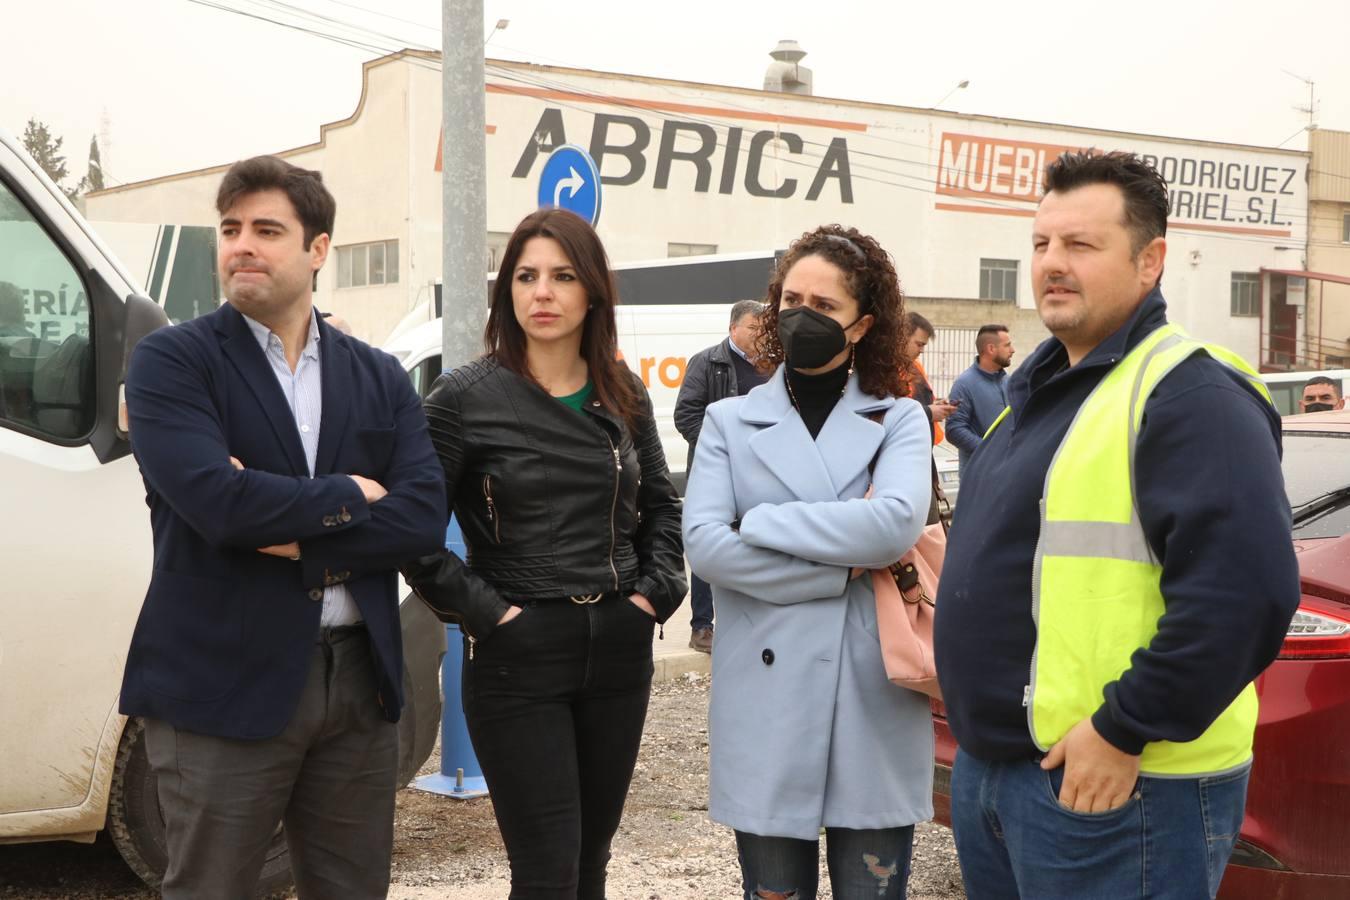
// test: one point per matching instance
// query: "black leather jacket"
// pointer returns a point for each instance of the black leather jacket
(552, 502)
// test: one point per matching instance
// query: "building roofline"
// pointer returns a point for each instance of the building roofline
(890, 107)
(293, 151)
(405, 53)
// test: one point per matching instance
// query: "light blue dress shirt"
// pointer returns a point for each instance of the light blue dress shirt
(304, 394)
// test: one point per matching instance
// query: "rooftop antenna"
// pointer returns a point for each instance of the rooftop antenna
(1310, 110)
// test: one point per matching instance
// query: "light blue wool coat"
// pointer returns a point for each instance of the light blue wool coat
(804, 727)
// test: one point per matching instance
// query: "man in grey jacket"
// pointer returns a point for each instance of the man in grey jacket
(725, 369)
(979, 392)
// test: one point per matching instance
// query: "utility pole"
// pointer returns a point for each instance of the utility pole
(463, 182)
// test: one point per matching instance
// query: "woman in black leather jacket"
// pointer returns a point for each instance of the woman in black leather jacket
(554, 468)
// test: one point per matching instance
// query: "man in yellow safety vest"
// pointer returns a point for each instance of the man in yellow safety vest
(1119, 572)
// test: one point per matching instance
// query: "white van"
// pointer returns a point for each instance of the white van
(76, 541)
(669, 310)
(1286, 388)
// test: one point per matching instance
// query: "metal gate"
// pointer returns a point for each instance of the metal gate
(949, 353)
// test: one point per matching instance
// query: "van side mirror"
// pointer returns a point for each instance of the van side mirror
(143, 316)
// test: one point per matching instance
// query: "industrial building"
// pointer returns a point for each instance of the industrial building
(692, 168)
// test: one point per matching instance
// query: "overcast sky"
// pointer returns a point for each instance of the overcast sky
(176, 85)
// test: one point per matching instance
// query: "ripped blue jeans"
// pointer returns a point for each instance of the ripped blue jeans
(863, 864)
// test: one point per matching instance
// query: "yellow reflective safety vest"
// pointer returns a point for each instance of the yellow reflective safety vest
(1096, 595)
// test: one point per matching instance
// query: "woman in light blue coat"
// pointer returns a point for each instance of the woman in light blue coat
(806, 731)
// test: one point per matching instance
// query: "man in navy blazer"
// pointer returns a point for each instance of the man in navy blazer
(288, 472)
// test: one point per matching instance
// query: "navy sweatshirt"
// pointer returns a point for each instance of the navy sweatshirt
(980, 397)
(1212, 503)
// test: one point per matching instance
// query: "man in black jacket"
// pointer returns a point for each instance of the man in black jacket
(1139, 788)
(723, 370)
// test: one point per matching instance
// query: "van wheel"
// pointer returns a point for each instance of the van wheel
(136, 824)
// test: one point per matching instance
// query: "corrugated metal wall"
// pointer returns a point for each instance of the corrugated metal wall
(1330, 164)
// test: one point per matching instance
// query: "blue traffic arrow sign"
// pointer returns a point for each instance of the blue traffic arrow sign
(571, 181)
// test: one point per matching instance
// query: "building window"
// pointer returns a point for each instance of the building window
(360, 265)
(1246, 294)
(998, 279)
(1345, 229)
(673, 250)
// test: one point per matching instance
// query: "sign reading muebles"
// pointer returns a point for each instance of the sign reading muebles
(1230, 190)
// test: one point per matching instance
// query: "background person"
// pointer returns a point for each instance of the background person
(270, 679)
(726, 369)
(13, 319)
(980, 392)
(805, 729)
(916, 379)
(554, 468)
(1321, 393)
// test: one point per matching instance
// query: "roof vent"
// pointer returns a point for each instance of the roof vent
(786, 74)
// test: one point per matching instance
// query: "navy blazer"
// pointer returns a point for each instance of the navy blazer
(223, 641)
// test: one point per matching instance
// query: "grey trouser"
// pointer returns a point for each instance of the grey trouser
(330, 776)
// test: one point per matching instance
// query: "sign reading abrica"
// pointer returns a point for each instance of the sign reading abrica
(625, 140)
(571, 181)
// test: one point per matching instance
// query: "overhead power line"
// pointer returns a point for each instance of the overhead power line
(363, 38)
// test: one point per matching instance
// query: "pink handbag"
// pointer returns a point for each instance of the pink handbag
(904, 596)
(905, 592)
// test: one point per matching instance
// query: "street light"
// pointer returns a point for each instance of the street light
(500, 26)
(963, 83)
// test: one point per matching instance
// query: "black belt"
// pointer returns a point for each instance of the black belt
(578, 599)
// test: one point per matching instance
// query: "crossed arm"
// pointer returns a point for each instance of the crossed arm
(180, 444)
(797, 552)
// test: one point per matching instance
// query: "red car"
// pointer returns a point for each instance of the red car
(1295, 841)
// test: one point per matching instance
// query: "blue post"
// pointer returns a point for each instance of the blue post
(460, 776)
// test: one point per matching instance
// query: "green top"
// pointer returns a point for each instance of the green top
(577, 400)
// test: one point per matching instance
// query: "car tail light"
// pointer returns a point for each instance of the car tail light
(1316, 634)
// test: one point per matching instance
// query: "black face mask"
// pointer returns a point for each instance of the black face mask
(1317, 407)
(810, 339)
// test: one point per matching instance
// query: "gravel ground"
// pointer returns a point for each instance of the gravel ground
(666, 849)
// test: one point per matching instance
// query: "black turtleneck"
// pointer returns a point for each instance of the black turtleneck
(816, 395)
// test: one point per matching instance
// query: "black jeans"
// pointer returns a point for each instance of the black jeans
(864, 864)
(555, 702)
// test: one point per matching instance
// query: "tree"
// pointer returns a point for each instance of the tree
(93, 180)
(45, 150)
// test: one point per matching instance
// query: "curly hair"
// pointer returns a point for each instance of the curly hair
(880, 357)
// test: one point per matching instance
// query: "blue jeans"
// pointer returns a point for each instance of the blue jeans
(1171, 839)
(700, 603)
(864, 865)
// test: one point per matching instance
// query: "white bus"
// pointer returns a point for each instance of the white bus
(669, 309)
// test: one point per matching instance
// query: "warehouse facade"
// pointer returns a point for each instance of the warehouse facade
(693, 168)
